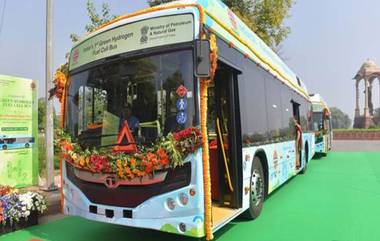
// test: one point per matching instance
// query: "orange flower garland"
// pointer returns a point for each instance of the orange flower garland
(60, 83)
(205, 149)
(169, 152)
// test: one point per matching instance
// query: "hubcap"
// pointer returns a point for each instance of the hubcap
(257, 187)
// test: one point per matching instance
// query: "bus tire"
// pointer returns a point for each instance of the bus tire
(5, 147)
(303, 171)
(257, 190)
(27, 145)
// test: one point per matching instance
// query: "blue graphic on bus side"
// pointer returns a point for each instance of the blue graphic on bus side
(9, 142)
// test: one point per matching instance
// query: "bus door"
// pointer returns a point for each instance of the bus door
(298, 133)
(226, 145)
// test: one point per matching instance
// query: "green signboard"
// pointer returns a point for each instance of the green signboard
(134, 36)
(18, 132)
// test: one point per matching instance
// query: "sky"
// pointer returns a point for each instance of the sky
(329, 41)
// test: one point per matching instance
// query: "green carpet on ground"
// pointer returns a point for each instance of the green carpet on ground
(338, 199)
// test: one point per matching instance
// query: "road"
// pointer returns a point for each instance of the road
(356, 146)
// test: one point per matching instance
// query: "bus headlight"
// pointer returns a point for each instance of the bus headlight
(170, 204)
(183, 199)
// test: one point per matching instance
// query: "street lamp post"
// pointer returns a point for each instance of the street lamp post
(49, 128)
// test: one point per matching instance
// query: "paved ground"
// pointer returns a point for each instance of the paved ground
(356, 146)
(336, 200)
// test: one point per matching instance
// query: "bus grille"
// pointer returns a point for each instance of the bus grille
(131, 196)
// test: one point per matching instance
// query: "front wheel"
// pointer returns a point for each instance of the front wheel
(5, 147)
(257, 190)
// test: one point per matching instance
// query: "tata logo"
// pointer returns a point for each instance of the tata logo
(111, 181)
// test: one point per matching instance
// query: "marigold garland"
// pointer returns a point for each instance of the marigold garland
(60, 84)
(205, 149)
(60, 88)
(169, 152)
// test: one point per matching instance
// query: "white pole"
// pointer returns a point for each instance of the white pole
(49, 128)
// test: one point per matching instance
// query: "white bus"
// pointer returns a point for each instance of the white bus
(135, 90)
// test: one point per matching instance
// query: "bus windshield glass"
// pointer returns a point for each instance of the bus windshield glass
(317, 121)
(142, 92)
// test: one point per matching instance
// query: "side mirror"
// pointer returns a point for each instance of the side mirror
(202, 58)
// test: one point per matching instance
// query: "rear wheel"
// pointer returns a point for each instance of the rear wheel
(27, 145)
(257, 190)
(5, 147)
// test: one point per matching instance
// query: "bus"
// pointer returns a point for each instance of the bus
(321, 124)
(141, 87)
(15, 142)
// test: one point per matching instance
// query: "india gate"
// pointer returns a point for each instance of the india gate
(369, 72)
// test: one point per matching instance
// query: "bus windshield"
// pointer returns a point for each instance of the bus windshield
(142, 92)
(317, 121)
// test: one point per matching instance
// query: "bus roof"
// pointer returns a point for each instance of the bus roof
(224, 23)
(316, 99)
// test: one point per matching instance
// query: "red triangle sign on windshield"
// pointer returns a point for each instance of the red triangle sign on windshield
(126, 133)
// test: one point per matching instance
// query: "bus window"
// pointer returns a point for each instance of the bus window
(10, 140)
(252, 105)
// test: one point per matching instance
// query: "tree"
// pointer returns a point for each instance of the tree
(42, 115)
(376, 113)
(264, 17)
(96, 19)
(339, 119)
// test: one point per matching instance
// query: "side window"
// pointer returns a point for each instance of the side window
(304, 111)
(252, 104)
(304, 115)
(274, 107)
(92, 103)
(287, 130)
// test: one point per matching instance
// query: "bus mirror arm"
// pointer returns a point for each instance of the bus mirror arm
(202, 58)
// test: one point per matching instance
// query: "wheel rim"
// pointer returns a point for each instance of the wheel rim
(257, 187)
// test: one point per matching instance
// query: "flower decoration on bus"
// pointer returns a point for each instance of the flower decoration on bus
(60, 80)
(169, 152)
